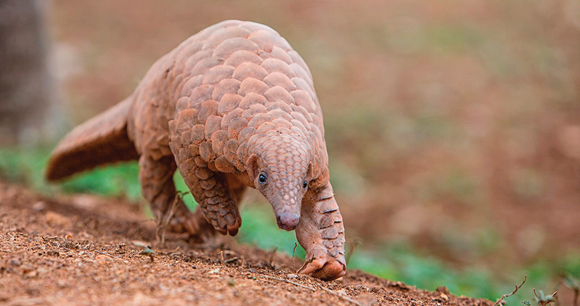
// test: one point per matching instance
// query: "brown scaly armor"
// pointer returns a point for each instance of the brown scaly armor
(231, 107)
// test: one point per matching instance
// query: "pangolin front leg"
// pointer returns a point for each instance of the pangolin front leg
(156, 177)
(212, 192)
(321, 233)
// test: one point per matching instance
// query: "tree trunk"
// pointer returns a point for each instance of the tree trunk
(26, 86)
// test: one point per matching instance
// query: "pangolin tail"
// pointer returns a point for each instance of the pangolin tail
(102, 139)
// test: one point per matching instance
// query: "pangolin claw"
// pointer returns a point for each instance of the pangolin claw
(324, 267)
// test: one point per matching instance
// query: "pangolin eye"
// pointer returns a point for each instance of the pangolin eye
(262, 178)
(305, 184)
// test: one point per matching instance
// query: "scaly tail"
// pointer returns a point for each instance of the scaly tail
(102, 139)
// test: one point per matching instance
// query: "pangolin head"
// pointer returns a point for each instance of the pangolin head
(280, 168)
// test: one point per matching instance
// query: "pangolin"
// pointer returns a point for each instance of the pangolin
(231, 107)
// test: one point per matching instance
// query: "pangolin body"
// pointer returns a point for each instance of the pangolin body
(231, 107)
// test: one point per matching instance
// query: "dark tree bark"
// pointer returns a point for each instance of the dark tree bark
(26, 86)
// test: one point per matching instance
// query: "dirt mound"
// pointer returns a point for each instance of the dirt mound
(88, 250)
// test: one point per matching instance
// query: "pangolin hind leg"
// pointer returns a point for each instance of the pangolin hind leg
(202, 231)
(321, 233)
(212, 192)
(156, 177)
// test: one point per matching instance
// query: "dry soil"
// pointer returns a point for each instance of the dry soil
(86, 250)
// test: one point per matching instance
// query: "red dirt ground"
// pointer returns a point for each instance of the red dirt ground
(75, 250)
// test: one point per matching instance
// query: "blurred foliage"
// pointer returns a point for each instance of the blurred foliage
(27, 166)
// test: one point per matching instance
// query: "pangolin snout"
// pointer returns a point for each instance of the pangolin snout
(288, 221)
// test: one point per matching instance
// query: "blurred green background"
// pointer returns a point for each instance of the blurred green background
(453, 127)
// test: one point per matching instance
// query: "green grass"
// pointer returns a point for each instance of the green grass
(27, 167)
(394, 261)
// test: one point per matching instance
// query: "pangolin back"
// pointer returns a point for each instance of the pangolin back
(234, 86)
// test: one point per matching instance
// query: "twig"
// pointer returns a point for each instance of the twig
(272, 255)
(294, 252)
(162, 224)
(545, 300)
(11, 242)
(342, 296)
(102, 253)
(306, 262)
(231, 260)
(290, 282)
(146, 220)
(353, 245)
(573, 284)
(499, 302)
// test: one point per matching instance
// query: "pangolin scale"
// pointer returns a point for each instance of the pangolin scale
(231, 107)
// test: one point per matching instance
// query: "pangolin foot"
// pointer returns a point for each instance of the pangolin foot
(322, 265)
(227, 225)
(195, 225)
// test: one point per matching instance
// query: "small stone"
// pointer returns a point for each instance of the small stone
(442, 289)
(139, 243)
(39, 206)
(27, 269)
(56, 219)
(85, 201)
(61, 284)
(103, 258)
(15, 262)
(31, 274)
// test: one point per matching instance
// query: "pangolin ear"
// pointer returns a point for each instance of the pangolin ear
(309, 173)
(252, 166)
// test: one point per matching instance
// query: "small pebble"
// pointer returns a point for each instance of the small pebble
(103, 258)
(39, 206)
(56, 219)
(139, 243)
